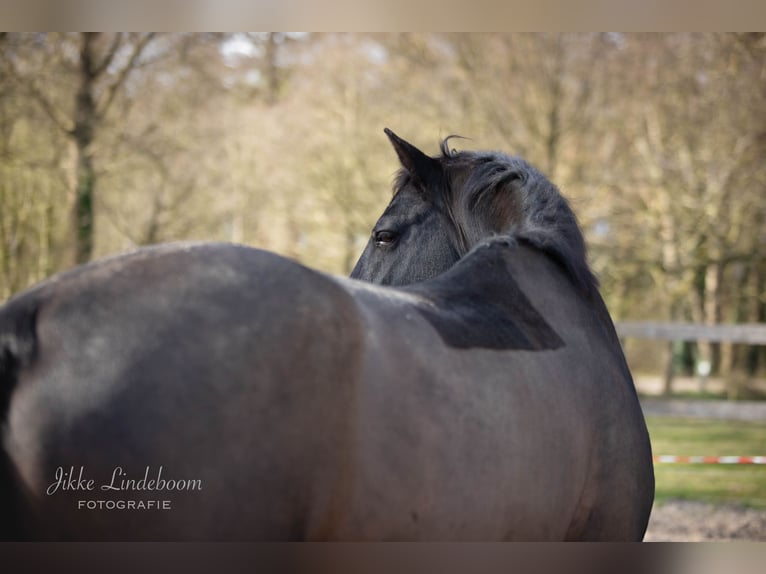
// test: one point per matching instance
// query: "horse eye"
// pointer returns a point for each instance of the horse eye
(384, 238)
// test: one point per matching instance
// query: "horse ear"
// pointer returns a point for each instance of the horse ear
(420, 166)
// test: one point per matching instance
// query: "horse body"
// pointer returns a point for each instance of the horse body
(487, 402)
(502, 443)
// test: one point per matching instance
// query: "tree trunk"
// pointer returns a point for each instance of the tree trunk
(82, 134)
(553, 137)
(272, 69)
(756, 354)
(707, 311)
(667, 384)
(670, 367)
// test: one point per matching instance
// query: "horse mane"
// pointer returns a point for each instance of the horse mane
(532, 208)
(542, 217)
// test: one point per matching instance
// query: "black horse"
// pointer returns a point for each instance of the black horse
(218, 392)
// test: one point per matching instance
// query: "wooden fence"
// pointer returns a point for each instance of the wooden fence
(746, 333)
(750, 333)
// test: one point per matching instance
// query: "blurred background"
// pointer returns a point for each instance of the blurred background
(112, 141)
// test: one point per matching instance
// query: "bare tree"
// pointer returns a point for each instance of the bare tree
(102, 67)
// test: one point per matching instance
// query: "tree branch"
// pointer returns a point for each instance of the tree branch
(107, 60)
(123, 74)
(28, 84)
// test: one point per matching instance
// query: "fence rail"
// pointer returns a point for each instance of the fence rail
(748, 333)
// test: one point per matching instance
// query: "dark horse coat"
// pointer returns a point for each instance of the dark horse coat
(489, 401)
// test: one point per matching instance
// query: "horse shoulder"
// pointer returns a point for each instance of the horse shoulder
(622, 483)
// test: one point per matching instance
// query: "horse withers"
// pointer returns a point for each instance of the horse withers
(219, 392)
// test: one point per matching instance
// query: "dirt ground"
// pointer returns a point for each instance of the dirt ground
(689, 521)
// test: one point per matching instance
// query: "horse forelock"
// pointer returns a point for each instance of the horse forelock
(444, 146)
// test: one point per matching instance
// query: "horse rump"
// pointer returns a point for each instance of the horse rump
(18, 344)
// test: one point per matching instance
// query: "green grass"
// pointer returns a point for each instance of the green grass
(746, 394)
(716, 483)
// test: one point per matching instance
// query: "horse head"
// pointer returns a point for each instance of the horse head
(444, 206)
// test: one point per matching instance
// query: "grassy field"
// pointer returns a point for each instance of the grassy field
(716, 483)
